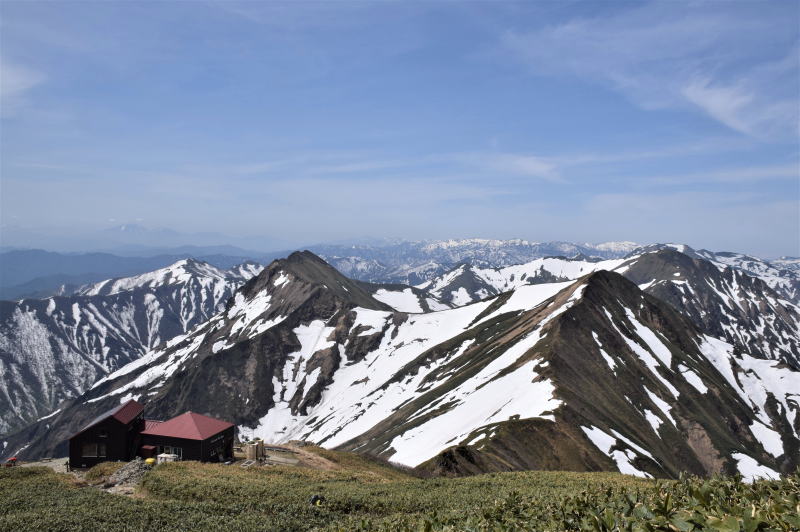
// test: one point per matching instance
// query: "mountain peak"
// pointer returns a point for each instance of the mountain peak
(302, 272)
(179, 272)
(612, 285)
(306, 258)
(723, 301)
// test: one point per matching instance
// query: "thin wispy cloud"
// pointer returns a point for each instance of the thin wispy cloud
(526, 165)
(726, 104)
(789, 172)
(15, 82)
(479, 166)
(669, 55)
(706, 147)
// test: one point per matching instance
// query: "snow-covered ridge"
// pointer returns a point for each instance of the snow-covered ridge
(622, 247)
(181, 272)
(246, 270)
(791, 263)
(467, 283)
(476, 242)
(773, 333)
(413, 262)
(782, 275)
(619, 247)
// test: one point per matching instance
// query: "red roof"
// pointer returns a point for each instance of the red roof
(150, 423)
(189, 426)
(128, 411)
(124, 413)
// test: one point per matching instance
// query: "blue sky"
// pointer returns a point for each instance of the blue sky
(308, 122)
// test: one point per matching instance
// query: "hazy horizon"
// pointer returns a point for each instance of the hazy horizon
(138, 240)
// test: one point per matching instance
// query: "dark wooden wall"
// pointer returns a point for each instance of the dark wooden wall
(118, 438)
(223, 443)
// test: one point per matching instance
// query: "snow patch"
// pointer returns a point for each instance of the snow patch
(400, 300)
(752, 470)
(374, 320)
(460, 297)
(280, 280)
(48, 416)
(661, 404)
(693, 379)
(477, 407)
(653, 419)
(770, 439)
(623, 458)
(610, 361)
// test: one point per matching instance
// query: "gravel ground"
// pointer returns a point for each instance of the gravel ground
(56, 464)
(129, 474)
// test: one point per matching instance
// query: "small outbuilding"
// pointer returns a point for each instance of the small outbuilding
(110, 436)
(190, 436)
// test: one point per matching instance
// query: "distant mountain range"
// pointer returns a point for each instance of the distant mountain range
(663, 361)
(38, 273)
(416, 262)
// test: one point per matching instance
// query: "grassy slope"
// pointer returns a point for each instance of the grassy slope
(102, 471)
(367, 495)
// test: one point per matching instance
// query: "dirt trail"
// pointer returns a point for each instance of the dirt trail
(56, 464)
(310, 459)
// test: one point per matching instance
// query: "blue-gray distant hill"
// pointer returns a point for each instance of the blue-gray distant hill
(38, 273)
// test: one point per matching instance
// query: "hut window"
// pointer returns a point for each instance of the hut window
(89, 450)
(102, 434)
(94, 450)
